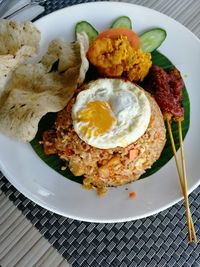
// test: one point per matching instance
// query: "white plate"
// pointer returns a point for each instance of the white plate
(31, 176)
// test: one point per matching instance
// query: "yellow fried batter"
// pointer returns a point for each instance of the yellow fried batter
(116, 58)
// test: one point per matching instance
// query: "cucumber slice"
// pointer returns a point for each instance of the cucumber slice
(84, 26)
(122, 22)
(152, 39)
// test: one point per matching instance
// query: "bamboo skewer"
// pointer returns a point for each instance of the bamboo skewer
(184, 171)
(183, 182)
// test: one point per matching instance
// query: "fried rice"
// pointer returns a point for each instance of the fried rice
(102, 168)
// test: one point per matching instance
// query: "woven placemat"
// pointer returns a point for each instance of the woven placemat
(159, 240)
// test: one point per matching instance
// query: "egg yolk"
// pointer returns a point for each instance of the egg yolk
(97, 118)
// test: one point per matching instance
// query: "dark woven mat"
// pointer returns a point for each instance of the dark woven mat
(155, 241)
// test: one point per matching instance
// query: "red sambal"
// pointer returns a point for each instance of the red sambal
(167, 89)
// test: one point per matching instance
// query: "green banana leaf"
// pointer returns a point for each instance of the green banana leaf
(56, 163)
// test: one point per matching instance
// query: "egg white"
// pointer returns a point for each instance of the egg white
(128, 103)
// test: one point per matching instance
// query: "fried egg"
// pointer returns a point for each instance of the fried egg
(111, 113)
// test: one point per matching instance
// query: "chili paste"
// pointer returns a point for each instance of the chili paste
(167, 89)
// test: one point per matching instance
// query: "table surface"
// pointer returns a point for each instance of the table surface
(33, 236)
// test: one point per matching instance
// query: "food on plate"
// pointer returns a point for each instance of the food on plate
(112, 166)
(86, 27)
(70, 58)
(167, 88)
(34, 90)
(152, 39)
(19, 42)
(132, 195)
(122, 22)
(110, 113)
(116, 33)
(14, 35)
(116, 53)
(9, 62)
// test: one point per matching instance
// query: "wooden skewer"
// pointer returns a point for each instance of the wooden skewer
(191, 229)
(184, 171)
